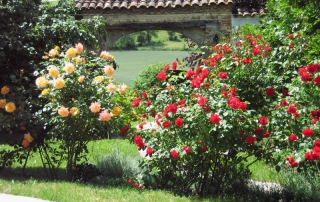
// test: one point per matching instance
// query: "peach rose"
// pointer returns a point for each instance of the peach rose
(105, 55)
(95, 107)
(5, 90)
(108, 70)
(116, 111)
(81, 79)
(28, 137)
(53, 53)
(53, 71)
(105, 116)
(41, 82)
(111, 87)
(62, 111)
(10, 107)
(123, 88)
(79, 48)
(69, 68)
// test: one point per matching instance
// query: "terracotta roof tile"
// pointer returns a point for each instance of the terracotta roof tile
(239, 8)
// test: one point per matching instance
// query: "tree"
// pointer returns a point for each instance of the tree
(150, 34)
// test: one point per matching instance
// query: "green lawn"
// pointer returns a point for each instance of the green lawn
(132, 62)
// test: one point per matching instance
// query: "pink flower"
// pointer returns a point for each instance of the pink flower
(62, 111)
(95, 107)
(105, 116)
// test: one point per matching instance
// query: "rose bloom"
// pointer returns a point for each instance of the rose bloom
(166, 124)
(69, 68)
(10, 107)
(258, 130)
(41, 82)
(105, 55)
(270, 92)
(317, 80)
(242, 106)
(28, 137)
(97, 79)
(214, 118)
(53, 71)
(59, 83)
(308, 132)
(45, 91)
(5, 90)
(174, 154)
(105, 116)
(250, 139)
(123, 88)
(149, 151)
(74, 111)
(3, 103)
(116, 111)
(81, 79)
(108, 70)
(293, 137)
(53, 53)
(135, 102)
(111, 87)
(174, 65)
(179, 122)
(71, 53)
(62, 111)
(222, 75)
(161, 76)
(172, 108)
(95, 107)
(186, 149)
(79, 48)
(263, 120)
(25, 143)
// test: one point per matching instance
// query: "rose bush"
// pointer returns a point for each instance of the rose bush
(235, 104)
(82, 101)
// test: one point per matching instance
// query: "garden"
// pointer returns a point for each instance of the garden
(238, 123)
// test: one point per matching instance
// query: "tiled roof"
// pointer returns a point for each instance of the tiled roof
(127, 4)
(109, 4)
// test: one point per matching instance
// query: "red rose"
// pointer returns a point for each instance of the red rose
(204, 148)
(292, 162)
(144, 95)
(247, 60)
(141, 186)
(179, 122)
(149, 151)
(161, 76)
(214, 118)
(172, 108)
(256, 50)
(305, 77)
(205, 73)
(241, 133)
(139, 142)
(181, 103)
(129, 180)
(189, 74)
(284, 103)
(317, 80)
(258, 130)
(267, 134)
(124, 130)
(135, 185)
(234, 102)
(135, 102)
(312, 68)
(316, 143)
(250, 139)
(186, 149)
(270, 92)
(166, 67)
(222, 75)
(292, 109)
(308, 132)
(224, 93)
(233, 91)
(263, 120)
(302, 70)
(285, 92)
(316, 153)
(290, 36)
(174, 65)
(148, 103)
(166, 124)
(174, 154)
(202, 101)
(242, 106)
(309, 156)
(293, 137)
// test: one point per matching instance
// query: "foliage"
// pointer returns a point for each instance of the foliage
(83, 103)
(125, 43)
(147, 77)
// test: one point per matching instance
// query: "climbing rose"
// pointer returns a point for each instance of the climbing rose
(305, 77)
(247, 60)
(202, 101)
(161, 76)
(3, 103)
(293, 137)
(214, 118)
(308, 132)
(250, 139)
(234, 102)
(179, 122)
(74, 111)
(316, 143)
(224, 93)
(267, 134)
(174, 154)
(81, 79)
(41, 82)
(263, 120)
(111, 87)
(62, 111)
(124, 130)
(95, 107)
(270, 92)
(105, 55)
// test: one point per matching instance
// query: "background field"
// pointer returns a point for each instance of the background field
(132, 62)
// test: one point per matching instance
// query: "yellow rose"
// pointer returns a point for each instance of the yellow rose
(10, 107)
(71, 52)
(41, 82)
(45, 91)
(53, 71)
(69, 68)
(108, 70)
(116, 111)
(5, 90)
(81, 79)
(98, 79)
(3, 103)
(59, 83)
(123, 88)
(111, 87)
(74, 111)
(78, 60)
(53, 53)
(57, 48)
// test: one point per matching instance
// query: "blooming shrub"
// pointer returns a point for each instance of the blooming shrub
(244, 99)
(83, 102)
